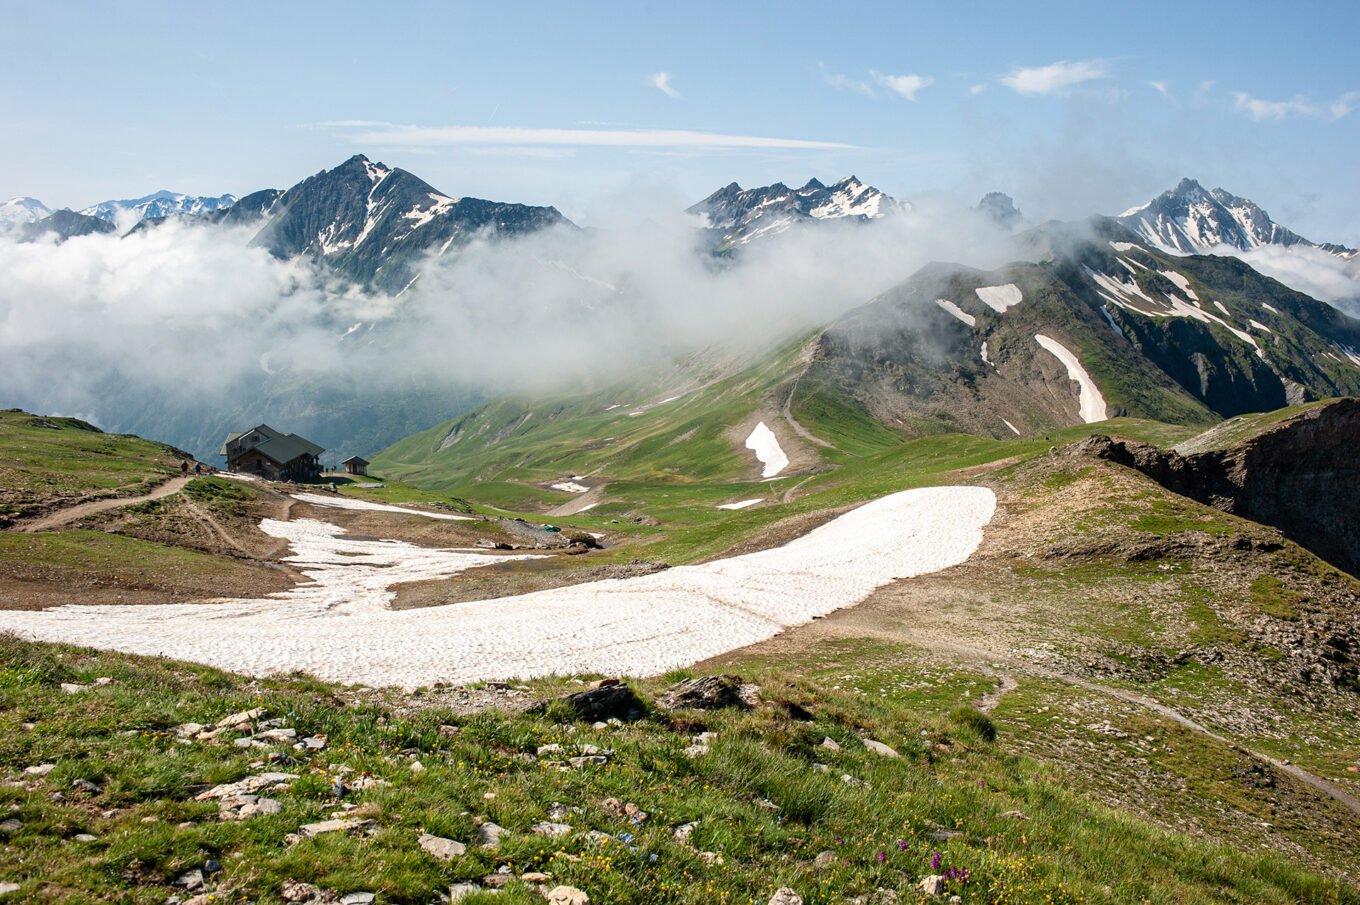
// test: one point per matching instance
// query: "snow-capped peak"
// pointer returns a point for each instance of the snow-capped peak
(20, 211)
(1191, 220)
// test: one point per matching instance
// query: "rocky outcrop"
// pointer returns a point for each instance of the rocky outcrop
(1301, 476)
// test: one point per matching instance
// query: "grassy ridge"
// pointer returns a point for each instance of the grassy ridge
(48, 462)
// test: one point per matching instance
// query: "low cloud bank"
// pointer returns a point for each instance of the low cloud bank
(182, 315)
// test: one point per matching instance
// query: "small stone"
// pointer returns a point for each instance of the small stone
(314, 742)
(40, 769)
(7, 888)
(417, 767)
(822, 768)
(12, 825)
(237, 720)
(535, 876)
(551, 830)
(824, 858)
(567, 895)
(830, 744)
(85, 837)
(460, 891)
(293, 891)
(710, 857)
(785, 896)
(932, 885)
(612, 807)
(278, 735)
(634, 813)
(955, 900)
(190, 880)
(85, 785)
(489, 835)
(357, 898)
(589, 759)
(441, 848)
(880, 749)
(72, 688)
(102, 681)
(1015, 815)
(448, 731)
(684, 831)
(548, 750)
(312, 830)
(497, 881)
(188, 730)
(694, 751)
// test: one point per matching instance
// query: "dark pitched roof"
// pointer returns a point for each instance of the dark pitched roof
(280, 447)
(357, 460)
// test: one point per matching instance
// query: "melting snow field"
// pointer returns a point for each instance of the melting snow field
(999, 298)
(338, 627)
(340, 502)
(1091, 403)
(767, 450)
(741, 505)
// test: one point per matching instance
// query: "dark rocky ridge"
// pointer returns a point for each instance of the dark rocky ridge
(1301, 477)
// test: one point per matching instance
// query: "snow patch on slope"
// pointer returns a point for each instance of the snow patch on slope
(958, 312)
(767, 449)
(1091, 404)
(999, 298)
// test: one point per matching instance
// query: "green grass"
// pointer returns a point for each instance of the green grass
(1270, 596)
(79, 556)
(59, 461)
(758, 802)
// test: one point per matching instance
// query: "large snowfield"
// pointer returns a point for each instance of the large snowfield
(339, 627)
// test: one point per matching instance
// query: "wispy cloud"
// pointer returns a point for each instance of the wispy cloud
(1159, 87)
(1261, 109)
(838, 80)
(407, 136)
(662, 83)
(905, 86)
(1054, 77)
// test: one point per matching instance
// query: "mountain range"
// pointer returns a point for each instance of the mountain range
(1135, 321)
(735, 216)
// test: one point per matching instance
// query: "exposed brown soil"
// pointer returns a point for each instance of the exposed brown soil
(513, 578)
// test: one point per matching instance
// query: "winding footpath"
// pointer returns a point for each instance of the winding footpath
(82, 510)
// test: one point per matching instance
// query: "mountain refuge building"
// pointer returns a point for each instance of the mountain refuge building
(273, 455)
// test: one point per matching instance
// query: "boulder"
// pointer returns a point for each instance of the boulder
(610, 698)
(709, 693)
(785, 896)
(880, 749)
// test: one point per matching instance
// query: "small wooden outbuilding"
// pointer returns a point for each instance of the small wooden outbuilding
(356, 465)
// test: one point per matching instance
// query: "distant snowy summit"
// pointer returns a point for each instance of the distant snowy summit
(741, 215)
(1190, 219)
(129, 212)
(21, 211)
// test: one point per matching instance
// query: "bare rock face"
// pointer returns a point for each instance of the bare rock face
(1302, 477)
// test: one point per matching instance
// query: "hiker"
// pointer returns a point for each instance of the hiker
(198, 468)
(183, 467)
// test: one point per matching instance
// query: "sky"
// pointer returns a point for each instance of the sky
(1072, 108)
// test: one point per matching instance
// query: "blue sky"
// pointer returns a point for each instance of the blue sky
(1070, 107)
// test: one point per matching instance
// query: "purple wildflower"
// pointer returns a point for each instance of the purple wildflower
(901, 845)
(882, 856)
(935, 860)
